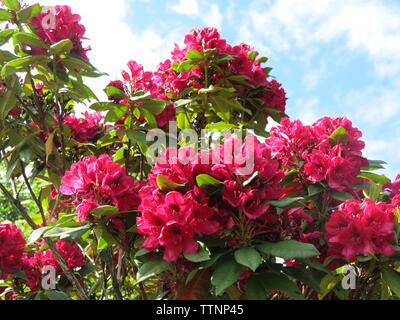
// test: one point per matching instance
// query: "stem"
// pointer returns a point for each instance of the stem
(28, 185)
(114, 279)
(68, 273)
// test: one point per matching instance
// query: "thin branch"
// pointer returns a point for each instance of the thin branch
(68, 273)
(34, 197)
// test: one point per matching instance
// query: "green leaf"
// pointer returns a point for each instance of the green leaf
(13, 5)
(73, 233)
(57, 295)
(392, 279)
(248, 257)
(227, 104)
(339, 136)
(114, 92)
(184, 66)
(182, 121)
(104, 238)
(220, 126)
(20, 64)
(167, 185)
(7, 102)
(5, 35)
(151, 268)
(5, 15)
(341, 196)
(29, 13)
(202, 255)
(194, 55)
(278, 281)
(30, 39)
(155, 106)
(314, 189)
(252, 55)
(374, 165)
(105, 211)
(225, 275)
(137, 136)
(105, 106)
(36, 235)
(375, 178)
(255, 289)
(289, 249)
(75, 62)
(149, 117)
(287, 203)
(205, 181)
(63, 46)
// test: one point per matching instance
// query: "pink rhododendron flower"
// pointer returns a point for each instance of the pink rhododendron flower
(66, 26)
(98, 182)
(312, 150)
(12, 246)
(86, 128)
(174, 219)
(33, 265)
(360, 229)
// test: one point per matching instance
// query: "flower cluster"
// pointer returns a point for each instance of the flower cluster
(33, 265)
(12, 246)
(360, 229)
(239, 60)
(245, 179)
(235, 61)
(66, 26)
(95, 182)
(87, 128)
(327, 151)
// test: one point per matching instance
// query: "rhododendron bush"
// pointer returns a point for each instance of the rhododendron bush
(171, 186)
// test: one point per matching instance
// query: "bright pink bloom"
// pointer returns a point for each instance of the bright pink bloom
(311, 150)
(100, 181)
(86, 128)
(275, 97)
(360, 229)
(174, 219)
(66, 26)
(12, 246)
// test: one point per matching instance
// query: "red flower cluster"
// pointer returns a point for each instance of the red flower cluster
(329, 150)
(66, 26)
(95, 182)
(12, 246)
(172, 219)
(165, 83)
(86, 128)
(241, 64)
(33, 265)
(393, 188)
(360, 229)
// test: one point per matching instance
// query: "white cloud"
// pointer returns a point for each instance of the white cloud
(366, 25)
(313, 77)
(374, 105)
(187, 7)
(209, 13)
(214, 17)
(308, 114)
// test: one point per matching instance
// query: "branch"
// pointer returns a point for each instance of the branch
(28, 185)
(68, 273)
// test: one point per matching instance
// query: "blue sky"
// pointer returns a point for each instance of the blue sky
(334, 57)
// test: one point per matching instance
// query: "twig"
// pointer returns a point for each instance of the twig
(68, 273)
